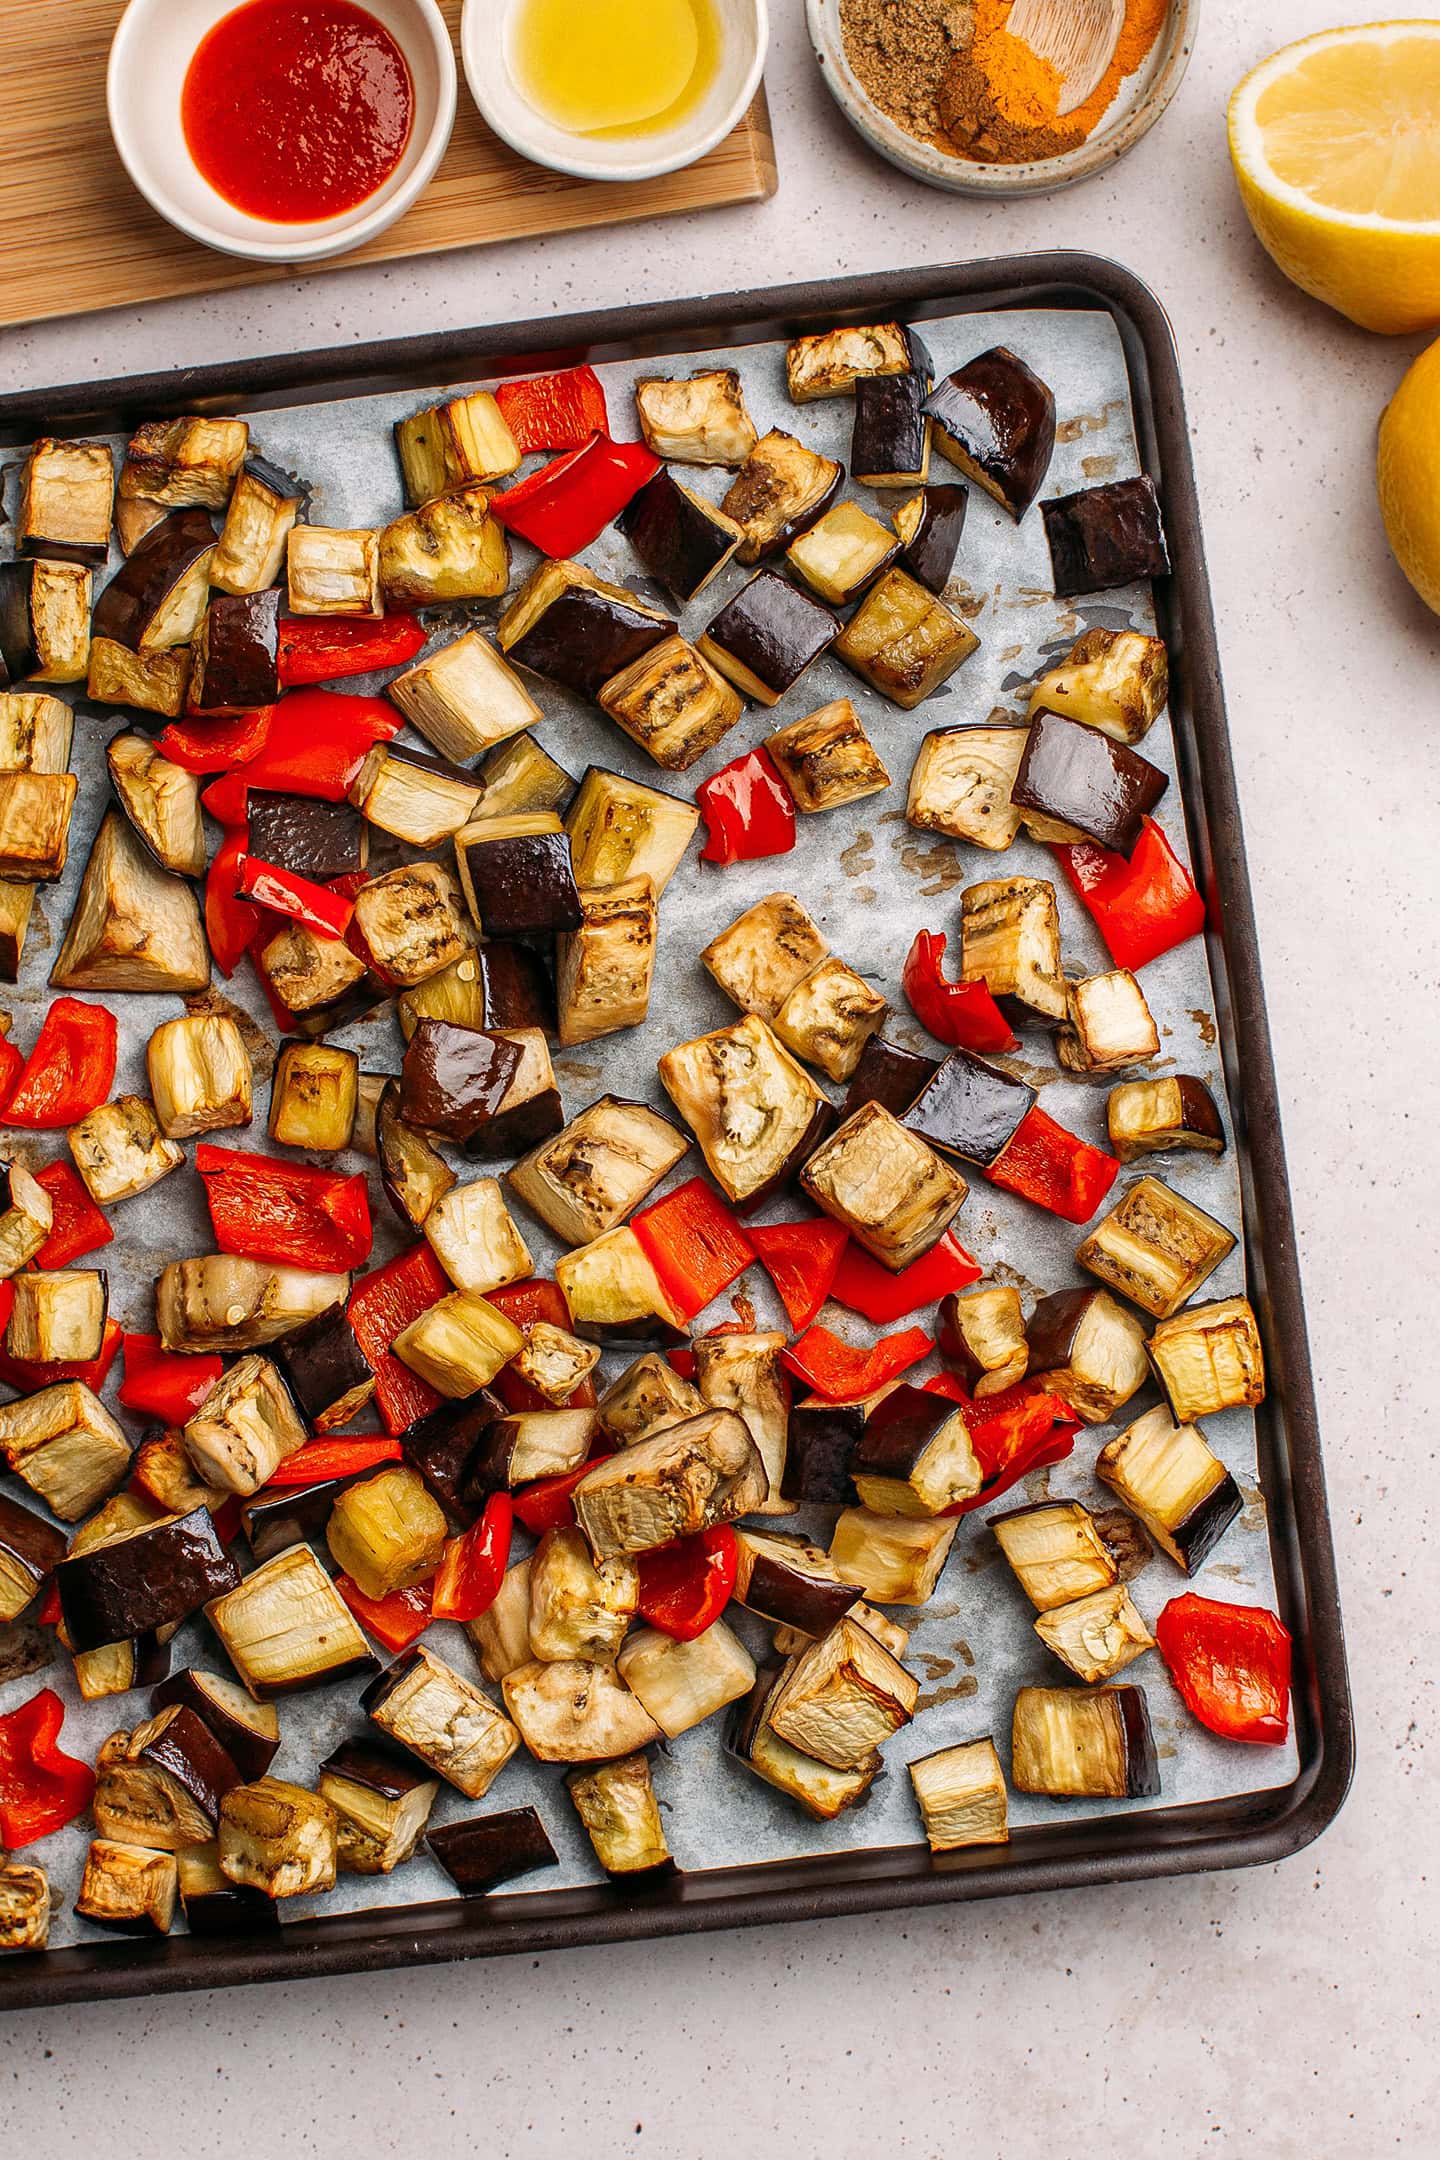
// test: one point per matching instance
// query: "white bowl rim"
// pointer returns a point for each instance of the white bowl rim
(577, 165)
(349, 230)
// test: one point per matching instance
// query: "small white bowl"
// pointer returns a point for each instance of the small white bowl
(485, 29)
(149, 58)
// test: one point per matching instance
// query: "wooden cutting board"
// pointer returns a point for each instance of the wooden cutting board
(75, 235)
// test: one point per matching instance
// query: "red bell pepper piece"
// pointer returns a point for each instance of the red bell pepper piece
(397, 1620)
(47, 1612)
(40, 1788)
(79, 1226)
(340, 1455)
(326, 913)
(29, 1374)
(695, 1245)
(1142, 906)
(204, 746)
(1020, 1430)
(69, 1072)
(12, 1064)
(525, 1303)
(748, 811)
(231, 924)
(554, 412)
(801, 1259)
(1048, 1165)
(570, 501)
(325, 648)
(1231, 1664)
(682, 1362)
(472, 1566)
(383, 1303)
(877, 1294)
(686, 1586)
(842, 1373)
(962, 1013)
(547, 1504)
(160, 1384)
(302, 1217)
(319, 741)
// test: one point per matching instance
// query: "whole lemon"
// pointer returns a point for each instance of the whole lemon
(1407, 473)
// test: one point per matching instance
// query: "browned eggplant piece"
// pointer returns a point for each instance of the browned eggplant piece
(767, 636)
(1088, 1350)
(830, 363)
(129, 1889)
(67, 492)
(489, 1850)
(36, 731)
(554, 1362)
(1074, 777)
(604, 970)
(822, 1791)
(249, 1732)
(649, 1397)
(264, 504)
(474, 1237)
(983, 1333)
(829, 1017)
(1209, 1358)
(615, 1295)
(134, 926)
(413, 1176)
(960, 784)
(889, 1075)
(325, 1369)
(464, 698)
(842, 553)
(333, 570)
(962, 1796)
(904, 640)
(459, 1344)
(1153, 1117)
(24, 1906)
(192, 459)
(683, 540)
(58, 1315)
(158, 597)
(603, 1164)
(930, 526)
(177, 1744)
(517, 876)
(886, 1185)
(1055, 1552)
(890, 441)
(452, 1078)
(29, 1548)
(27, 1216)
(44, 622)
(789, 1580)
(519, 775)
(216, 1909)
(827, 759)
(409, 922)
(313, 1094)
(1155, 1247)
(286, 1628)
(913, 1456)
(699, 421)
(672, 703)
(455, 994)
(447, 446)
(995, 419)
(530, 1110)
(743, 1373)
(518, 1447)
(414, 795)
(442, 1445)
(149, 1579)
(843, 1697)
(1096, 1636)
(151, 681)
(681, 1684)
(386, 1532)
(277, 1838)
(228, 1304)
(319, 981)
(1105, 536)
(821, 1444)
(766, 953)
(162, 802)
(1115, 680)
(443, 1718)
(515, 989)
(970, 1109)
(237, 653)
(35, 814)
(448, 549)
(755, 1111)
(1078, 1743)
(1111, 1025)
(704, 1471)
(309, 838)
(66, 1446)
(620, 828)
(616, 1803)
(1166, 1474)
(569, 625)
(1010, 940)
(779, 491)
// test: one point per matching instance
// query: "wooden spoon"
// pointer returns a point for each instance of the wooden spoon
(1077, 37)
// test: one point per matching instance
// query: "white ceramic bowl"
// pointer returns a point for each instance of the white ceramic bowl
(485, 50)
(151, 53)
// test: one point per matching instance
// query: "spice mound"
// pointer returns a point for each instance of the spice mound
(949, 73)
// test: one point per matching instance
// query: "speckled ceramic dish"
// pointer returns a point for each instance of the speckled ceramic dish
(1138, 105)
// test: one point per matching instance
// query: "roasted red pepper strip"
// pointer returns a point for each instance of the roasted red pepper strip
(79, 1226)
(962, 1013)
(203, 746)
(1231, 1664)
(1013, 1433)
(570, 501)
(326, 913)
(324, 648)
(1141, 907)
(383, 1303)
(748, 811)
(1048, 1165)
(69, 1072)
(231, 924)
(40, 1788)
(801, 1259)
(695, 1245)
(842, 1373)
(162, 1385)
(525, 1303)
(341, 1455)
(397, 1620)
(302, 1217)
(686, 1586)
(547, 1504)
(12, 1064)
(319, 741)
(554, 412)
(29, 1374)
(874, 1292)
(472, 1566)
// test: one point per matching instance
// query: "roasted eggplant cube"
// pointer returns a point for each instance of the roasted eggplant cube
(890, 442)
(569, 625)
(162, 802)
(579, 1607)
(236, 665)
(620, 828)
(843, 1697)
(165, 1787)
(1166, 1474)
(995, 419)
(24, 1906)
(830, 1016)
(1089, 1351)
(320, 982)
(464, 698)
(151, 681)
(827, 758)
(702, 1472)
(983, 1332)
(1076, 1745)
(410, 922)
(894, 1559)
(1056, 1552)
(830, 363)
(501, 1635)
(1105, 536)
(672, 703)
(821, 1791)
(17, 904)
(309, 838)
(821, 1442)
(128, 1888)
(432, 1710)
(1075, 783)
(962, 1797)
(480, 1855)
(134, 927)
(885, 1185)
(699, 421)
(767, 636)
(616, 1803)
(45, 623)
(530, 1444)
(382, 1805)
(164, 1473)
(473, 1235)
(286, 1628)
(459, 1344)
(914, 1456)
(904, 640)
(1209, 1359)
(224, 1303)
(1156, 1117)
(67, 495)
(604, 1163)
(605, 966)
(970, 1109)
(448, 446)
(313, 1096)
(35, 732)
(456, 994)
(517, 774)
(58, 1316)
(1114, 680)
(766, 953)
(842, 553)
(755, 1112)
(614, 1294)
(387, 1533)
(29, 1549)
(453, 1079)
(66, 1447)
(554, 1362)
(27, 1216)
(530, 1109)
(250, 553)
(1111, 1025)
(743, 1373)
(146, 1578)
(278, 1838)
(790, 1581)
(888, 1075)
(333, 571)
(648, 1398)
(960, 784)
(680, 1684)
(1155, 1247)
(193, 460)
(215, 1907)
(35, 812)
(442, 1445)
(242, 1431)
(1096, 1636)
(248, 1732)
(517, 875)
(930, 525)
(158, 598)
(1010, 941)
(420, 799)
(576, 1713)
(449, 549)
(683, 540)
(779, 492)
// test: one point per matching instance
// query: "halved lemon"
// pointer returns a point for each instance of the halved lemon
(1336, 147)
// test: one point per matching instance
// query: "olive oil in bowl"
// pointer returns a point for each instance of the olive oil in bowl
(615, 67)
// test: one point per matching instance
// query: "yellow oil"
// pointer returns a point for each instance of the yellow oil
(615, 67)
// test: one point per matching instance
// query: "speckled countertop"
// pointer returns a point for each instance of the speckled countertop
(1288, 2011)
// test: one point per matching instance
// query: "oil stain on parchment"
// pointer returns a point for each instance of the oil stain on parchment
(1099, 468)
(935, 863)
(1204, 1025)
(858, 861)
(1088, 423)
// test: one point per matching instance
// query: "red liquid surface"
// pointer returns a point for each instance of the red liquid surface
(296, 110)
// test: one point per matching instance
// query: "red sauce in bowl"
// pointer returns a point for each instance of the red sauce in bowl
(296, 110)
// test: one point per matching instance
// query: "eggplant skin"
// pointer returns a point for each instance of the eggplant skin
(995, 419)
(137, 593)
(767, 636)
(682, 539)
(1106, 536)
(1071, 774)
(930, 527)
(489, 1850)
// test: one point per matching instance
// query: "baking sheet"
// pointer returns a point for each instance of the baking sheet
(871, 881)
